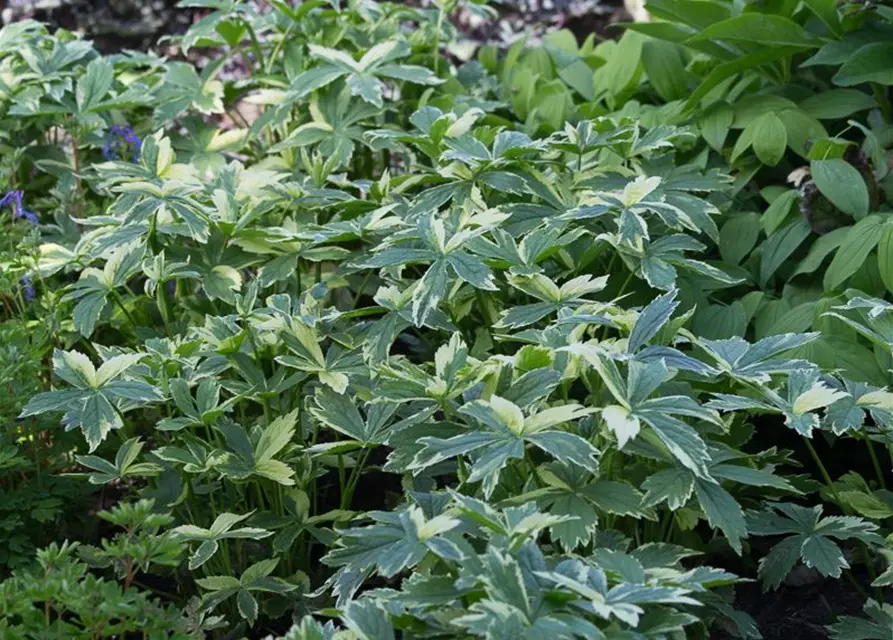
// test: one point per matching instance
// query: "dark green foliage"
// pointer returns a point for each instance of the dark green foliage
(479, 351)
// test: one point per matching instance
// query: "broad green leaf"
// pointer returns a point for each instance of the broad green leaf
(664, 63)
(842, 184)
(779, 246)
(837, 103)
(738, 237)
(714, 124)
(871, 63)
(765, 30)
(769, 139)
(885, 256)
(826, 11)
(858, 243)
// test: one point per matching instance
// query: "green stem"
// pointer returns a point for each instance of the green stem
(874, 460)
(825, 476)
(530, 465)
(347, 497)
(436, 46)
(880, 95)
(255, 44)
(272, 57)
(116, 297)
(356, 299)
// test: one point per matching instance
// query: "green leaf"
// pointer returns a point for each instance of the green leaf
(664, 63)
(651, 320)
(739, 64)
(777, 564)
(94, 84)
(722, 511)
(366, 86)
(837, 103)
(876, 627)
(222, 282)
(247, 606)
(682, 441)
(368, 621)
(59, 400)
(276, 436)
(673, 486)
(620, 69)
(821, 553)
(871, 63)
(218, 583)
(738, 237)
(311, 80)
(821, 249)
(769, 139)
(779, 246)
(826, 11)
(802, 130)
(98, 417)
(842, 184)
(885, 256)
(714, 124)
(429, 292)
(87, 312)
(858, 243)
(765, 30)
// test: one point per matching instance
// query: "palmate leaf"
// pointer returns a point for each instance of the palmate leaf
(805, 393)
(339, 412)
(247, 458)
(635, 408)
(398, 540)
(623, 601)
(94, 406)
(811, 540)
(504, 437)
(514, 603)
(254, 579)
(570, 294)
(310, 629)
(577, 495)
(333, 368)
(739, 359)
(875, 627)
(368, 621)
(444, 249)
(220, 529)
(364, 76)
(385, 331)
(125, 464)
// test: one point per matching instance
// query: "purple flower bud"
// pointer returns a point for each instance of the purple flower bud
(14, 199)
(119, 136)
(27, 288)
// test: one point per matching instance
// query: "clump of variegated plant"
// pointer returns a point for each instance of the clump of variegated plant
(391, 356)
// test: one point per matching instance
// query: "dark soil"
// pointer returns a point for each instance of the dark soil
(795, 613)
(113, 25)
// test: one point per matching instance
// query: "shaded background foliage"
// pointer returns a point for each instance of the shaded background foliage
(789, 614)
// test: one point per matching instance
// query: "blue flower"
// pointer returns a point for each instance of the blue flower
(118, 136)
(27, 288)
(15, 198)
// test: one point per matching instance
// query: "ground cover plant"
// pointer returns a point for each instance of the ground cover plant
(388, 340)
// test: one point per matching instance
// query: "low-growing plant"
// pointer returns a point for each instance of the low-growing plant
(449, 352)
